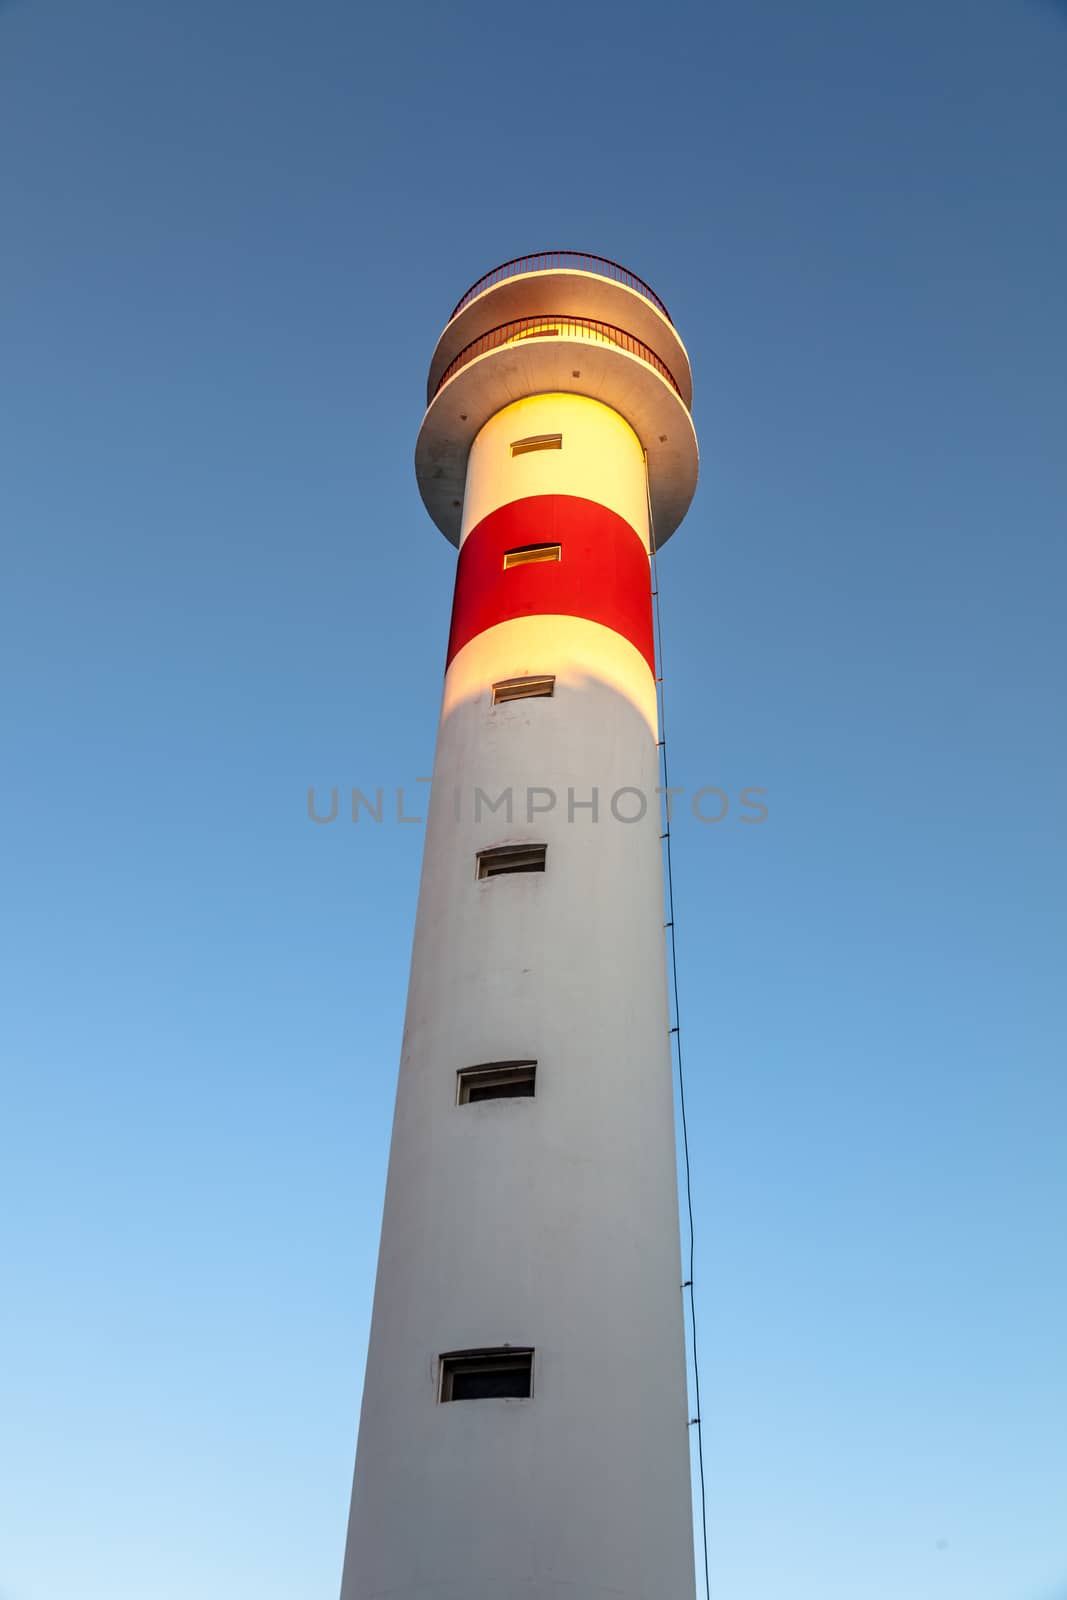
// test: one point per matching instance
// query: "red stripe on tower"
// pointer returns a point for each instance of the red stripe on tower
(602, 573)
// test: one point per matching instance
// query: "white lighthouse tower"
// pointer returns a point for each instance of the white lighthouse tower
(524, 1432)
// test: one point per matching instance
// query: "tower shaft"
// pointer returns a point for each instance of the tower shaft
(524, 1426)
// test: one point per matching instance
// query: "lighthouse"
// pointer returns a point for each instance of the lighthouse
(524, 1428)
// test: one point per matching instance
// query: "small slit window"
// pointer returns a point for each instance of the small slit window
(505, 1374)
(496, 1080)
(525, 553)
(523, 689)
(502, 859)
(537, 441)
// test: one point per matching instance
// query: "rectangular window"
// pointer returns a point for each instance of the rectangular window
(511, 858)
(523, 689)
(496, 1080)
(526, 553)
(537, 441)
(505, 1374)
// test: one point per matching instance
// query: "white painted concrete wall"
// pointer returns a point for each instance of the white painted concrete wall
(550, 1221)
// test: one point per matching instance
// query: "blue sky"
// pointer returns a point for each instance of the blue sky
(231, 234)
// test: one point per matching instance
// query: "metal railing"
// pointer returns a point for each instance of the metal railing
(547, 326)
(550, 260)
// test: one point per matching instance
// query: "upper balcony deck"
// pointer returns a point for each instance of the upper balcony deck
(554, 261)
(554, 285)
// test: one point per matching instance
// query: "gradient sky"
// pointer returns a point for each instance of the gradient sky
(231, 233)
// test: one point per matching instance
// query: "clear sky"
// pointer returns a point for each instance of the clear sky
(231, 233)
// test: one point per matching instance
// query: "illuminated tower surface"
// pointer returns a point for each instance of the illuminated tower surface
(524, 1425)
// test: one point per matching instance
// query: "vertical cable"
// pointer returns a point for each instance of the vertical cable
(676, 1031)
